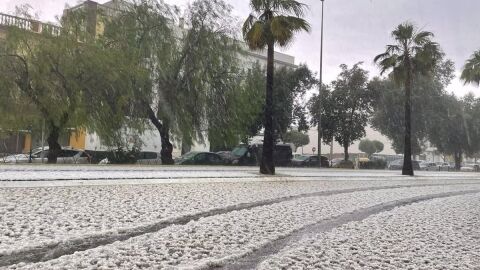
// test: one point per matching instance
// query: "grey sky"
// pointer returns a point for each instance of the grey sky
(355, 30)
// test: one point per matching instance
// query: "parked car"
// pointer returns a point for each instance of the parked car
(227, 156)
(445, 166)
(149, 158)
(335, 162)
(250, 155)
(470, 167)
(66, 156)
(309, 161)
(429, 166)
(144, 158)
(398, 165)
(200, 158)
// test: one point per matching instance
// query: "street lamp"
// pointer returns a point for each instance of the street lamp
(320, 95)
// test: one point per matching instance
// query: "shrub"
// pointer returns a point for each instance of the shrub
(376, 164)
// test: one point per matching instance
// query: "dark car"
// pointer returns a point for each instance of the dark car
(398, 165)
(227, 156)
(250, 155)
(200, 158)
(309, 161)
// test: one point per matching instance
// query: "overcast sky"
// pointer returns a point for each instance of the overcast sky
(355, 30)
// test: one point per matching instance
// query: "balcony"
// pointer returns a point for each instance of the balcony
(29, 25)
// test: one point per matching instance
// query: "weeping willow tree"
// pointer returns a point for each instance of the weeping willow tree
(192, 67)
(69, 80)
(44, 72)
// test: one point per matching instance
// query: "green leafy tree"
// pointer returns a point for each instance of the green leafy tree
(290, 87)
(241, 117)
(471, 70)
(346, 109)
(370, 147)
(46, 70)
(273, 22)
(454, 128)
(298, 138)
(329, 122)
(379, 146)
(237, 119)
(413, 52)
(389, 110)
(192, 69)
(69, 80)
(352, 102)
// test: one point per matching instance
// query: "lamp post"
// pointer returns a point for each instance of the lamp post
(320, 95)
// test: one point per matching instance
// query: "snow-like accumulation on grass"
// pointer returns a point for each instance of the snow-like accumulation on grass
(437, 234)
(217, 239)
(36, 216)
(91, 172)
(56, 172)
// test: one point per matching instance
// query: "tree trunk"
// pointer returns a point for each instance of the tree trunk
(407, 158)
(345, 152)
(267, 165)
(167, 147)
(458, 160)
(54, 147)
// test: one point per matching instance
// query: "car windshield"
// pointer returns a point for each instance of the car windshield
(189, 155)
(239, 151)
(302, 158)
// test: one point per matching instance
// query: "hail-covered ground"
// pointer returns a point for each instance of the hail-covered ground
(131, 217)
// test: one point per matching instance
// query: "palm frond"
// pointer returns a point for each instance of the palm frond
(257, 36)
(381, 57)
(423, 37)
(388, 63)
(403, 32)
(259, 6)
(287, 7)
(283, 28)
(247, 25)
(471, 70)
(393, 49)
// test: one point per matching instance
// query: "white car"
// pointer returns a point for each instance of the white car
(470, 167)
(66, 156)
(144, 158)
(22, 158)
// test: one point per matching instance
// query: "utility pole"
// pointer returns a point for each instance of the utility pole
(320, 95)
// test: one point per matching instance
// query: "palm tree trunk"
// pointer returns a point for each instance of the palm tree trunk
(407, 158)
(54, 147)
(267, 165)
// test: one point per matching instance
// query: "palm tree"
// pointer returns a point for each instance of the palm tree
(414, 52)
(471, 71)
(272, 22)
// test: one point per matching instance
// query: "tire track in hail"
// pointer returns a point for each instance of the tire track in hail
(253, 260)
